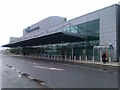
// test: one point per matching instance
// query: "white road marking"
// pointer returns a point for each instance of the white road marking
(35, 63)
(56, 69)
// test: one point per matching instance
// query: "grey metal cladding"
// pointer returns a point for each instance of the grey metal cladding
(118, 30)
(108, 26)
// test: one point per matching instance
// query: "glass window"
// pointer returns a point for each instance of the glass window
(88, 29)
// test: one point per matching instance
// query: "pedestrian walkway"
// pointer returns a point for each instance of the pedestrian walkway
(100, 63)
(58, 58)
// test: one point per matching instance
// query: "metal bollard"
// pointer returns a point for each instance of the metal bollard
(54, 57)
(44, 56)
(100, 59)
(57, 57)
(61, 57)
(80, 58)
(74, 58)
(86, 58)
(48, 56)
(93, 59)
(109, 60)
(69, 57)
(65, 57)
(51, 57)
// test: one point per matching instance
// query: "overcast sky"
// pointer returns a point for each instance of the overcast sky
(15, 15)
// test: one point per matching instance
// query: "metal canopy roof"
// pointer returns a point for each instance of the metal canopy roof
(54, 38)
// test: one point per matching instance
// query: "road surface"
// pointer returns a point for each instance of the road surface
(64, 75)
(9, 78)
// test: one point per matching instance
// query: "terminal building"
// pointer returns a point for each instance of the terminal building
(88, 35)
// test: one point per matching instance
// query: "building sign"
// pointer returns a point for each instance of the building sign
(28, 29)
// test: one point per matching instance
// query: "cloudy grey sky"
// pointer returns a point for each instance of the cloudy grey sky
(15, 15)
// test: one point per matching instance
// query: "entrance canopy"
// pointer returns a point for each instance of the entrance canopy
(59, 37)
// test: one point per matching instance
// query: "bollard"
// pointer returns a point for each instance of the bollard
(74, 58)
(101, 59)
(54, 57)
(93, 59)
(44, 56)
(86, 58)
(57, 57)
(48, 56)
(41, 55)
(109, 60)
(61, 57)
(51, 57)
(69, 57)
(65, 57)
(80, 58)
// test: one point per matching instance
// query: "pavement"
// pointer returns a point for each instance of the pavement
(116, 64)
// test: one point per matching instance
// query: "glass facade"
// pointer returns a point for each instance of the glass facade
(89, 30)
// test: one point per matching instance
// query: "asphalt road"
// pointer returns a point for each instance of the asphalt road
(63, 74)
(9, 78)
